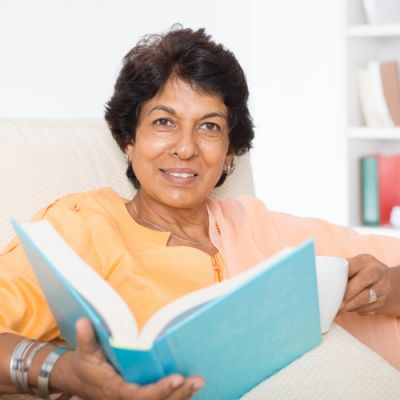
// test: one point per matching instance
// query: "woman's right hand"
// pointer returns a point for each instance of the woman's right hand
(86, 373)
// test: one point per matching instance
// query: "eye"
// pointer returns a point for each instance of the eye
(210, 126)
(163, 122)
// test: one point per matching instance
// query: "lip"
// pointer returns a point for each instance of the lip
(167, 173)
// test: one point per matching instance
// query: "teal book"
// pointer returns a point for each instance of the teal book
(370, 191)
(235, 333)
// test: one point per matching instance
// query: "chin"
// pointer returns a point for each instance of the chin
(180, 201)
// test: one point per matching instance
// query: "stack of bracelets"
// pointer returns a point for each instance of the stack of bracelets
(21, 360)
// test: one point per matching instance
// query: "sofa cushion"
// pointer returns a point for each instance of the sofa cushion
(340, 368)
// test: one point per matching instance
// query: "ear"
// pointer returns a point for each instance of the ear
(228, 161)
(129, 152)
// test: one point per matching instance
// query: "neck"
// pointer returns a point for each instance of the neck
(188, 223)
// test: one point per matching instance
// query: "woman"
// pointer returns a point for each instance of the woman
(179, 112)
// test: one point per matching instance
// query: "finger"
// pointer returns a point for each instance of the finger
(159, 390)
(362, 303)
(364, 279)
(86, 339)
(357, 263)
(191, 386)
(172, 388)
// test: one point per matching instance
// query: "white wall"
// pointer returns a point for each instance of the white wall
(59, 58)
(298, 87)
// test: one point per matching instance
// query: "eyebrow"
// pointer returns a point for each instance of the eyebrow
(214, 114)
(170, 110)
(161, 107)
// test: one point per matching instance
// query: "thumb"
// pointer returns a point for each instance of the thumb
(86, 341)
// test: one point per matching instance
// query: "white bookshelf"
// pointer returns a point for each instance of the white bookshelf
(373, 31)
(385, 230)
(362, 132)
(364, 43)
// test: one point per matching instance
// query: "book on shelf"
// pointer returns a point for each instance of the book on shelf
(369, 191)
(380, 188)
(372, 98)
(235, 333)
(382, 11)
(391, 89)
(388, 185)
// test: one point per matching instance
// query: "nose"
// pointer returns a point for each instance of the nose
(185, 145)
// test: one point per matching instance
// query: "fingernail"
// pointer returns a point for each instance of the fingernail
(197, 385)
(177, 381)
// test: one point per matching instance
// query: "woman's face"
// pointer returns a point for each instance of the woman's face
(181, 145)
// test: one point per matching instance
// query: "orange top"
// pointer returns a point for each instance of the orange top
(135, 260)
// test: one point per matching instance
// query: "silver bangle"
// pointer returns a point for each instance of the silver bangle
(17, 359)
(45, 371)
(24, 381)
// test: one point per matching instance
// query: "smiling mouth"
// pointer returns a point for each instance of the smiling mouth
(182, 175)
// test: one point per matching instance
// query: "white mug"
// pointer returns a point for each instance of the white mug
(332, 273)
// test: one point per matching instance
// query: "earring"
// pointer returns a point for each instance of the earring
(231, 168)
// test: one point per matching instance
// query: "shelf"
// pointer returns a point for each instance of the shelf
(371, 31)
(380, 133)
(378, 230)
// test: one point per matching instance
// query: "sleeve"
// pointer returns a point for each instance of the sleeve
(23, 307)
(335, 240)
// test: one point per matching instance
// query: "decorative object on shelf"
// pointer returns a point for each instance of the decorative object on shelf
(382, 11)
(395, 216)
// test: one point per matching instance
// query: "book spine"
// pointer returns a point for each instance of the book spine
(366, 97)
(135, 365)
(388, 182)
(391, 89)
(369, 191)
(381, 108)
(166, 356)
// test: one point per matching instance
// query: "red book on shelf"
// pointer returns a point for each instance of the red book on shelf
(389, 185)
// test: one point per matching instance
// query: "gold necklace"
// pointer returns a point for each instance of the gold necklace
(160, 228)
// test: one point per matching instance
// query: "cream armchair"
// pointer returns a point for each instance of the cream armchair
(41, 160)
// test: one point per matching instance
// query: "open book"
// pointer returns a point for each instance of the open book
(235, 333)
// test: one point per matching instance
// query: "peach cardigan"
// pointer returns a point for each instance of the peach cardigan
(245, 232)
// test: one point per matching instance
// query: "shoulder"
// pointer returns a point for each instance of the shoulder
(96, 200)
(242, 202)
(78, 214)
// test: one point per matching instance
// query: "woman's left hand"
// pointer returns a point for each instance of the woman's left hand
(367, 276)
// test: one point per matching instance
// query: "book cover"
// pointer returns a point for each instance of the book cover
(234, 341)
(370, 191)
(388, 184)
(391, 89)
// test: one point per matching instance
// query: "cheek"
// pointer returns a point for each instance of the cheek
(214, 154)
(150, 147)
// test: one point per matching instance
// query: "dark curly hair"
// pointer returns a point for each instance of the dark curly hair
(192, 57)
